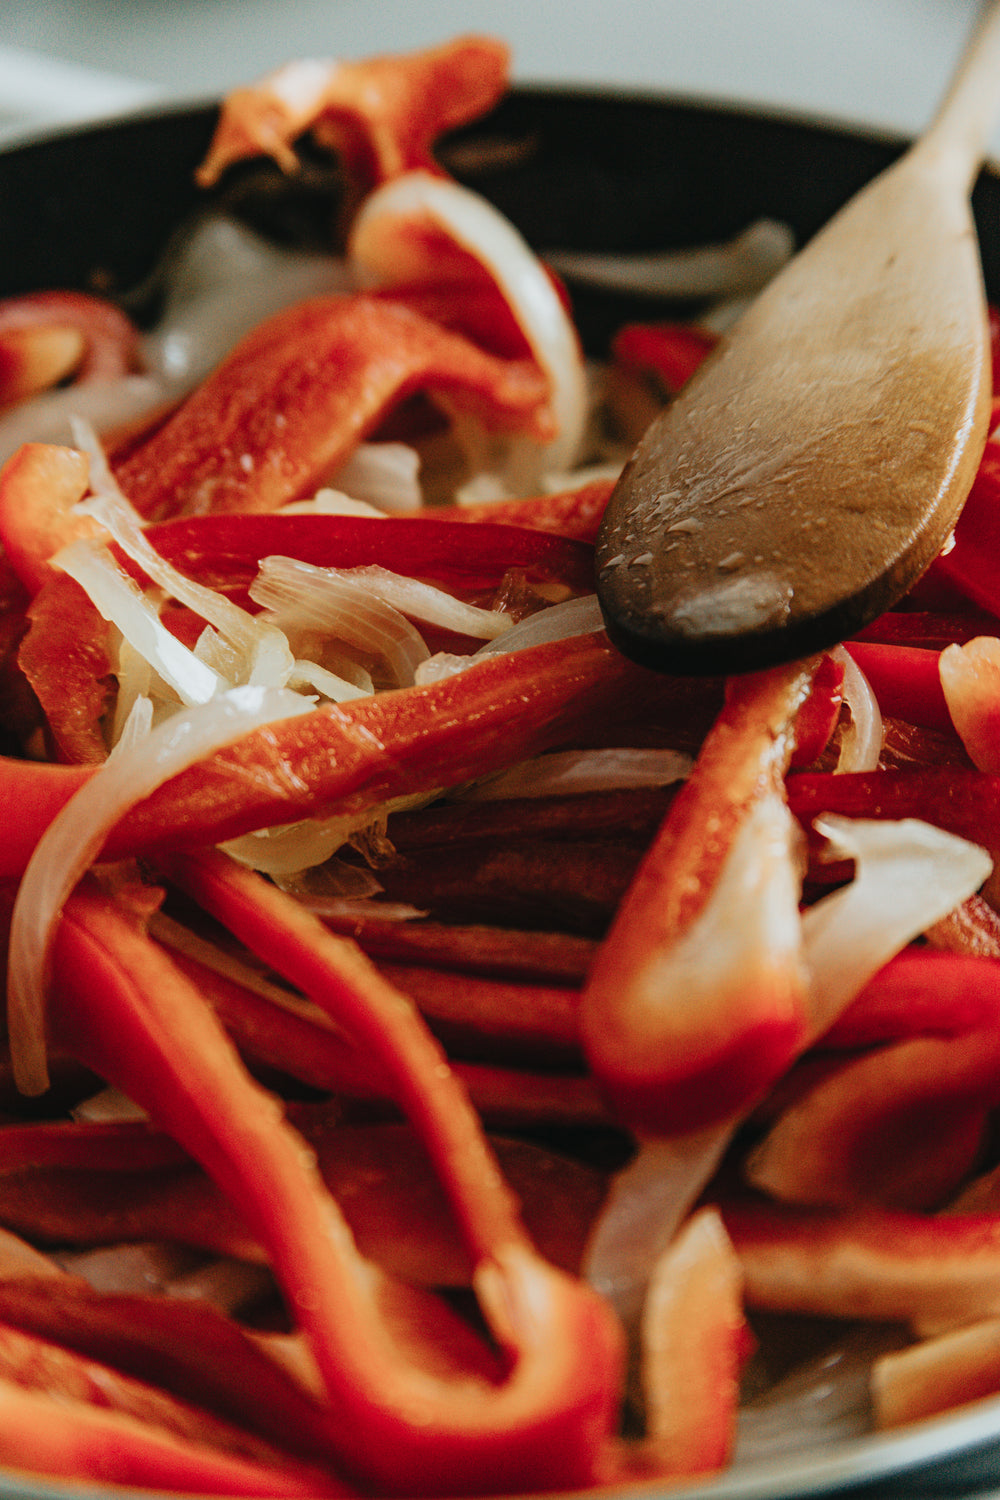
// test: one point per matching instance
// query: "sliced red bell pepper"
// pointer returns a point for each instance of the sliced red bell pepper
(363, 753)
(879, 1264)
(669, 1064)
(33, 791)
(905, 680)
(381, 115)
(692, 1342)
(972, 564)
(817, 718)
(65, 656)
(572, 513)
(52, 1436)
(291, 401)
(38, 486)
(900, 1126)
(187, 1348)
(46, 1367)
(301, 1044)
(963, 802)
(664, 353)
(224, 551)
(920, 993)
(495, 952)
(139, 1024)
(47, 337)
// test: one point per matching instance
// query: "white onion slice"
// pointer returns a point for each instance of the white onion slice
(264, 656)
(735, 268)
(120, 600)
(861, 745)
(105, 404)
(416, 600)
(556, 623)
(223, 282)
(387, 475)
(327, 600)
(908, 875)
(648, 1200)
(568, 772)
(74, 838)
(383, 254)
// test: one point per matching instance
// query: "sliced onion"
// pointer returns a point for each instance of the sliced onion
(324, 599)
(416, 600)
(222, 282)
(120, 600)
(384, 254)
(739, 266)
(264, 656)
(105, 404)
(557, 623)
(648, 1200)
(861, 745)
(567, 772)
(387, 475)
(74, 838)
(908, 875)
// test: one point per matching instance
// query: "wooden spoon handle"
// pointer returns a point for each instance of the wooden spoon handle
(968, 114)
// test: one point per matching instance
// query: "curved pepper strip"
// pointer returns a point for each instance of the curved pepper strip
(361, 754)
(75, 1441)
(224, 551)
(127, 1013)
(187, 1348)
(670, 1064)
(47, 337)
(300, 391)
(381, 115)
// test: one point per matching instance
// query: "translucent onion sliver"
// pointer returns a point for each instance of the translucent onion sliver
(74, 839)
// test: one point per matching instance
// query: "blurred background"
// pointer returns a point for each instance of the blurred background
(878, 62)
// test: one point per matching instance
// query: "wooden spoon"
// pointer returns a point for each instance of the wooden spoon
(817, 462)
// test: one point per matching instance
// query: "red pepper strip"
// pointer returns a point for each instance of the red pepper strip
(570, 513)
(360, 754)
(520, 882)
(972, 929)
(970, 681)
(303, 1045)
(116, 1146)
(882, 1264)
(502, 710)
(65, 657)
(32, 792)
(45, 1366)
(901, 1126)
(973, 563)
(937, 1375)
(38, 486)
(668, 352)
(930, 629)
(666, 1064)
(381, 115)
(546, 1423)
(102, 1206)
(495, 952)
(52, 1436)
(189, 1349)
(906, 681)
(298, 393)
(817, 718)
(692, 1346)
(920, 993)
(46, 337)
(512, 1019)
(966, 803)
(392, 1200)
(224, 551)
